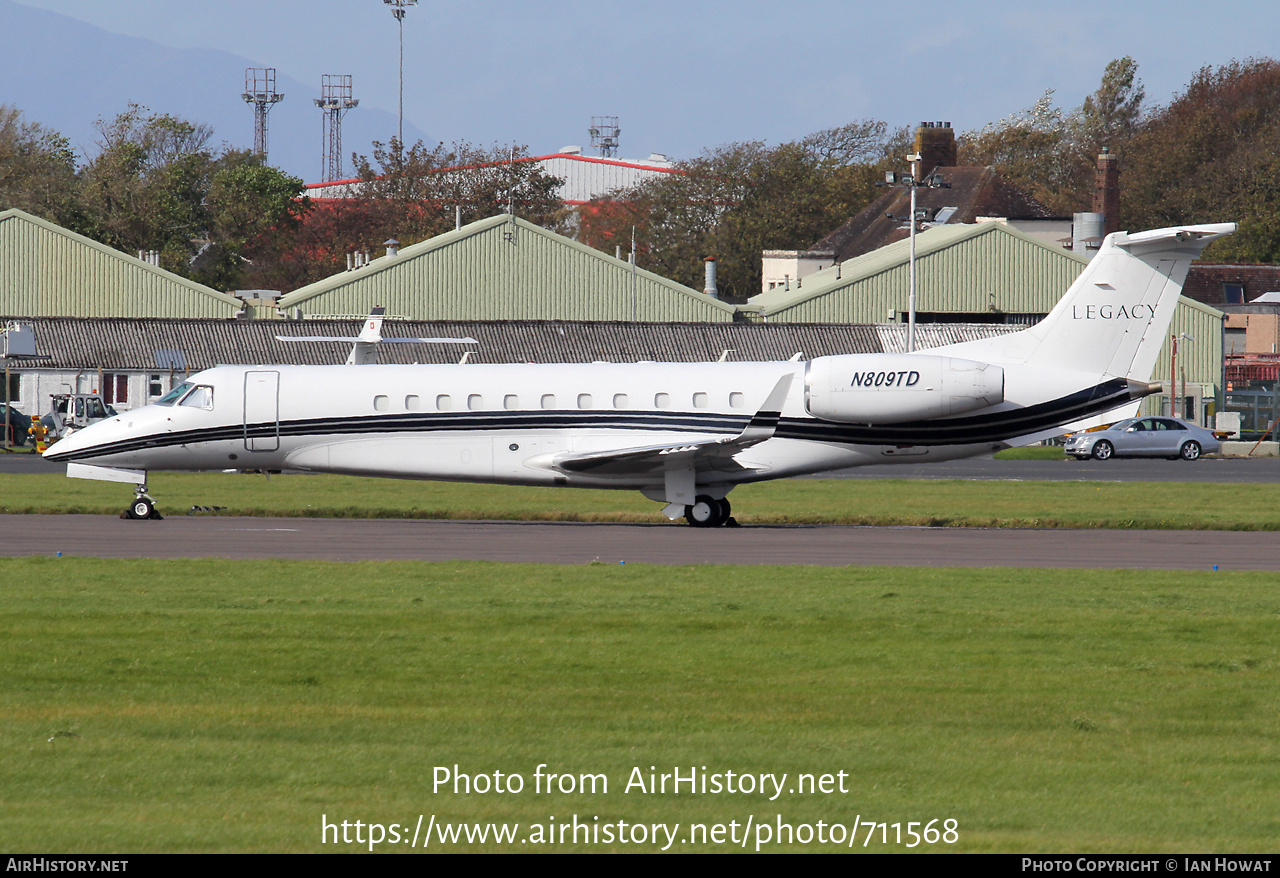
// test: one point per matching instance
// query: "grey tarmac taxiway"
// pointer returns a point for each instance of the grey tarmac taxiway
(182, 536)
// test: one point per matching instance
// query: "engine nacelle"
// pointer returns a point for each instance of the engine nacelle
(892, 388)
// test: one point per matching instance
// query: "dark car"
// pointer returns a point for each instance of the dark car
(1144, 437)
(18, 424)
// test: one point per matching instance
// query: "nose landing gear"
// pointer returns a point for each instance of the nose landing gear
(142, 507)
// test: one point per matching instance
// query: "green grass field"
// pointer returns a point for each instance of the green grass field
(227, 706)
(954, 502)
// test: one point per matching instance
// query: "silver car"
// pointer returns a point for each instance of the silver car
(1144, 437)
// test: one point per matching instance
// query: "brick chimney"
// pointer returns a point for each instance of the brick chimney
(1106, 191)
(936, 146)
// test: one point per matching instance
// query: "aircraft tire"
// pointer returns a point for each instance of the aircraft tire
(706, 512)
(142, 508)
(725, 511)
(1103, 450)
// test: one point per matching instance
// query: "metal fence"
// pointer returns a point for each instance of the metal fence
(1258, 405)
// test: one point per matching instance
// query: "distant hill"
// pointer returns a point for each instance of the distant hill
(65, 74)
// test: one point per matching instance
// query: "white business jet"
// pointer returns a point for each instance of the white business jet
(684, 434)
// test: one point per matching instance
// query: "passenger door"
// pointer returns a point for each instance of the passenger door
(261, 411)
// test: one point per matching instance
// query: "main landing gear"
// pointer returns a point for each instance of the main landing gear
(708, 512)
(143, 506)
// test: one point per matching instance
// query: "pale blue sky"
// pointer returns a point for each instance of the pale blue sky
(684, 76)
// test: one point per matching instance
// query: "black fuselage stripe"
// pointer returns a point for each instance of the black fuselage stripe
(974, 429)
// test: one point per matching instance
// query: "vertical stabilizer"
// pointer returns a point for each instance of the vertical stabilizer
(1114, 319)
(1115, 316)
(365, 348)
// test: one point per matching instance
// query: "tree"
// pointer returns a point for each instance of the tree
(1211, 156)
(1051, 154)
(1111, 115)
(37, 170)
(145, 189)
(736, 201)
(253, 211)
(415, 193)
(1032, 149)
(156, 185)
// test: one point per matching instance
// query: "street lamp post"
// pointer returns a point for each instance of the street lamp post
(914, 159)
(1173, 378)
(398, 8)
(934, 182)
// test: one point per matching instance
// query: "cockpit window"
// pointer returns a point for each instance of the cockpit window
(201, 397)
(174, 395)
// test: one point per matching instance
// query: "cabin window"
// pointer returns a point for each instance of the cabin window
(174, 395)
(700, 400)
(511, 402)
(475, 402)
(736, 400)
(584, 400)
(619, 400)
(444, 402)
(548, 400)
(662, 400)
(413, 403)
(201, 398)
(381, 403)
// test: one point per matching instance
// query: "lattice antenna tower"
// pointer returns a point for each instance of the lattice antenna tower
(260, 90)
(335, 99)
(604, 134)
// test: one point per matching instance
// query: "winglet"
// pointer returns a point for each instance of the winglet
(765, 421)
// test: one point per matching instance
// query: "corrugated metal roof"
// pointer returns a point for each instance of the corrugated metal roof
(959, 268)
(123, 344)
(585, 177)
(505, 268)
(49, 270)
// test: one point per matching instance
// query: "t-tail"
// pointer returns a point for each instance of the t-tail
(1114, 319)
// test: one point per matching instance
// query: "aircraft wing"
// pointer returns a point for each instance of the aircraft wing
(704, 454)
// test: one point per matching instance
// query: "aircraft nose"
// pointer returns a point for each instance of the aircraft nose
(81, 443)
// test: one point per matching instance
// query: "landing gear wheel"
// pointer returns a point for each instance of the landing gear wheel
(142, 508)
(1103, 450)
(725, 512)
(707, 512)
(1190, 451)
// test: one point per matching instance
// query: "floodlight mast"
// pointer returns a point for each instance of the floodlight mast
(335, 100)
(260, 91)
(398, 8)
